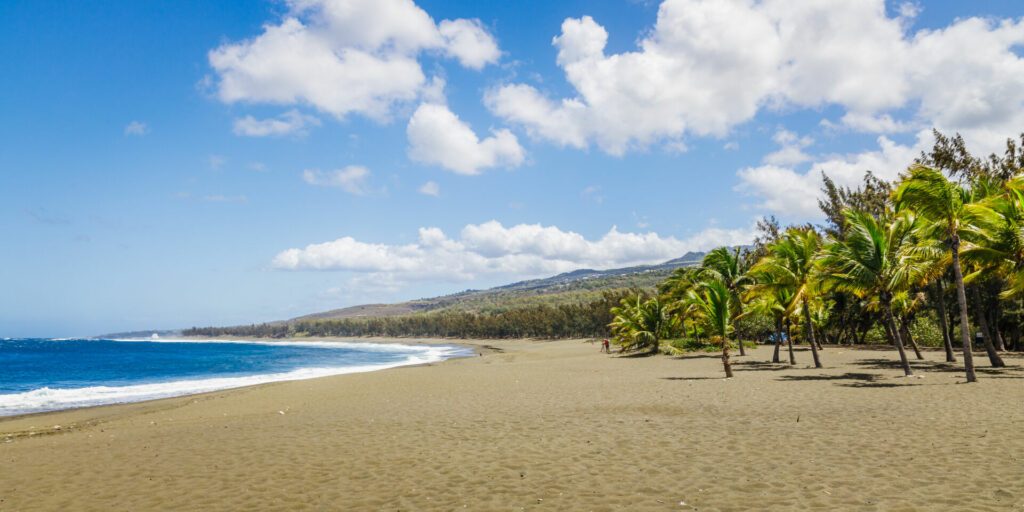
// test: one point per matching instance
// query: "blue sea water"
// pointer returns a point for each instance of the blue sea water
(43, 374)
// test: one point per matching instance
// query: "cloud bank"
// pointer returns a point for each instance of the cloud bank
(710, 65)
(492, 249)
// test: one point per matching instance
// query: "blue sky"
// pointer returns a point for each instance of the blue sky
(168, 164)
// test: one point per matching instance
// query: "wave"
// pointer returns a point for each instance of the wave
(48, 399)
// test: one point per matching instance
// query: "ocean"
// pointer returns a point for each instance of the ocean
(39, 375)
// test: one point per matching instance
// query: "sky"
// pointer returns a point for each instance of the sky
(189, 163)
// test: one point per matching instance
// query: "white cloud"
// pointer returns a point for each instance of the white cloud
(791, 149)
(787, 191)
(351, 179)
(344, 56)
(869, 123)
(430, 188)
(290, 122)
(709, 65)
(137, 128)
(437, 136)
(491, 249)
(467, 41)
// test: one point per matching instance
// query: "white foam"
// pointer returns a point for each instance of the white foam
(47, 399)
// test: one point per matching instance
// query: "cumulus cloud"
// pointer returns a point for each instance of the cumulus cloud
(430, 188)
(791, 150)
(491, 249)
(467, 41)
(789, 191)
(136, 128)
(437, 136)
(868, 123)
(352, 179)
(345, 56)
(291, 122)
(709, 65)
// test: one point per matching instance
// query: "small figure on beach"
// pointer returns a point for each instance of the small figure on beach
(605, 347)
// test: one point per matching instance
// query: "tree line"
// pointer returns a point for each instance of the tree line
(943, 244)
(575, 320)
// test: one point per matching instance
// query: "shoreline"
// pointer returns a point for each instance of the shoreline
(186, 387)
(545, 424)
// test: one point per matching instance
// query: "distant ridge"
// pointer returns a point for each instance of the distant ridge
(565, 287)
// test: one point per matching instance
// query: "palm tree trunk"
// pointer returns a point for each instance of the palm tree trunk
(887, 306)
(739, 342)
(986, 334)
(997, 314)
(810, 334)
(778, 339)
(946, 341)
(725, 357)
(788, 341)
(905, 333)
(961, 299)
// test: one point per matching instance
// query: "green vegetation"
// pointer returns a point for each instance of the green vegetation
(910, 263)
(878, 271)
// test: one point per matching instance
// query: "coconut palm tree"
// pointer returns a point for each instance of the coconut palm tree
(931, 195)
(880, 259)
(729, 266)
(711, 301)
(771, 297)
(640, 323)
(791, 261)
(905, 306)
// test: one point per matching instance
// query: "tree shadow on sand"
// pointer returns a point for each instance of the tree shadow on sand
(849, 380)
(682, 357)
(693, 378)
(760, 366)
(1008, 372)
(635, 355)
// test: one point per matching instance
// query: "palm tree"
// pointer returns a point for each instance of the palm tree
(929, 193)
(905, 306)
(641, 323)
(769, 296)
(940, 300)
(711, 301)
(730, 267)
(878, 259)
(791, 261)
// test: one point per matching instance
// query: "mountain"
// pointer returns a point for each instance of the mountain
(570, 287)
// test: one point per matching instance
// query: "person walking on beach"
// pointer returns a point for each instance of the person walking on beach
(605, 347)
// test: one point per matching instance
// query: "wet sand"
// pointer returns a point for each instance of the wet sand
(546, 425)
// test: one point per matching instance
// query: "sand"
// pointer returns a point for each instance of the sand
(546, 426)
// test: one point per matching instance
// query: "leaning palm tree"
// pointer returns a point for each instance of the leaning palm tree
(879, 259)
(790, 261)
(711, 301)
(729, 266)
(773, 297)
(998, 248)
(639, 323)
(931, 195)
(905, 306)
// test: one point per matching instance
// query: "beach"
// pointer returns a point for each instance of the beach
(556, 425)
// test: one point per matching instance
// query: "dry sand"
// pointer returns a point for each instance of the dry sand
(546, 425)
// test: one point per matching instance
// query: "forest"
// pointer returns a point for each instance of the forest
(940, 250)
